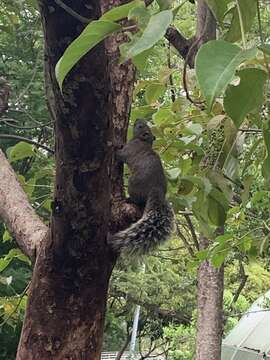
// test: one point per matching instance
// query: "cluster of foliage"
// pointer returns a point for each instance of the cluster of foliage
(215, 149)
(21, 64)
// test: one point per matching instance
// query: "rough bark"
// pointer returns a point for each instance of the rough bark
(210, 279)
(210, 314)
(66, 308)
(181, 44)
(4, 95)
(16, 212)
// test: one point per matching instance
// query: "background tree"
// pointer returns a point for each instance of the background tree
(204, 193)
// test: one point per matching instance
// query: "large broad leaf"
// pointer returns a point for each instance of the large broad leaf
(121, 12)
(217, 207)
(140, 15)
(95, 32)
(219, 8)
(248, 10)
(247, 96)
(216, 63)
(164, 4)
(153, 92)
(266, 162)
(154, 31)
(20, 151)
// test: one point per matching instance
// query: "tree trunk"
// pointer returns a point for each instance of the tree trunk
(209, 304)
(210, 279)
(65, 313)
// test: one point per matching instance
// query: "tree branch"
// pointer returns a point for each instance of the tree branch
(205, 31)
(181, 44)
(18, 215)
(172, 315)
(29, 141)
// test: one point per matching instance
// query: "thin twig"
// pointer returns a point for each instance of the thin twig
(192, 230)
(173, 97)
(185, 212)
(29, 141)
(242, 284)
(17, 305)
(121, 352)
(185, 241)
(251, 130)
(72, 12)
(25, 90)
(8, 120)
(165, 258)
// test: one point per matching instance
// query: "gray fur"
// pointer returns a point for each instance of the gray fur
(147, 187)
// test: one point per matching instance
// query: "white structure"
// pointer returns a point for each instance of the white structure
(110, 355)
(250, 338)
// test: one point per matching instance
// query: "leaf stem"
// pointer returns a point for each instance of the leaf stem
(241, 24)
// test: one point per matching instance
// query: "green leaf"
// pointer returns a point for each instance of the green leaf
(265, 48)
(245, 243)
(173, 173)
(154, 31)
(194, 129)
(217, 259)
(141, 15)
(216, 63)
(122, 11)
(6, 236)
(240, 100)
(202, 254)
(142, 112)
(216, 212)
(94, 33)
(164, 4)
(17, 254)
(163, 116)
(177, 8)
(248, 10)
(20, 151)
(217, 207)
(4, 263)
(29, 187)
(185, 187)
(222, 239)
(202, 183)
(219, 8)
(266, 162)
(153, 92)
(140, 60)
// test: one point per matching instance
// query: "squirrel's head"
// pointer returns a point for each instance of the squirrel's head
(142, 131)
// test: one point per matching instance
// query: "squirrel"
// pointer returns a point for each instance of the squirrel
(147, 187)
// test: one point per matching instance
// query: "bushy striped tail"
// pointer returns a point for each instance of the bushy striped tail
(154, 227)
